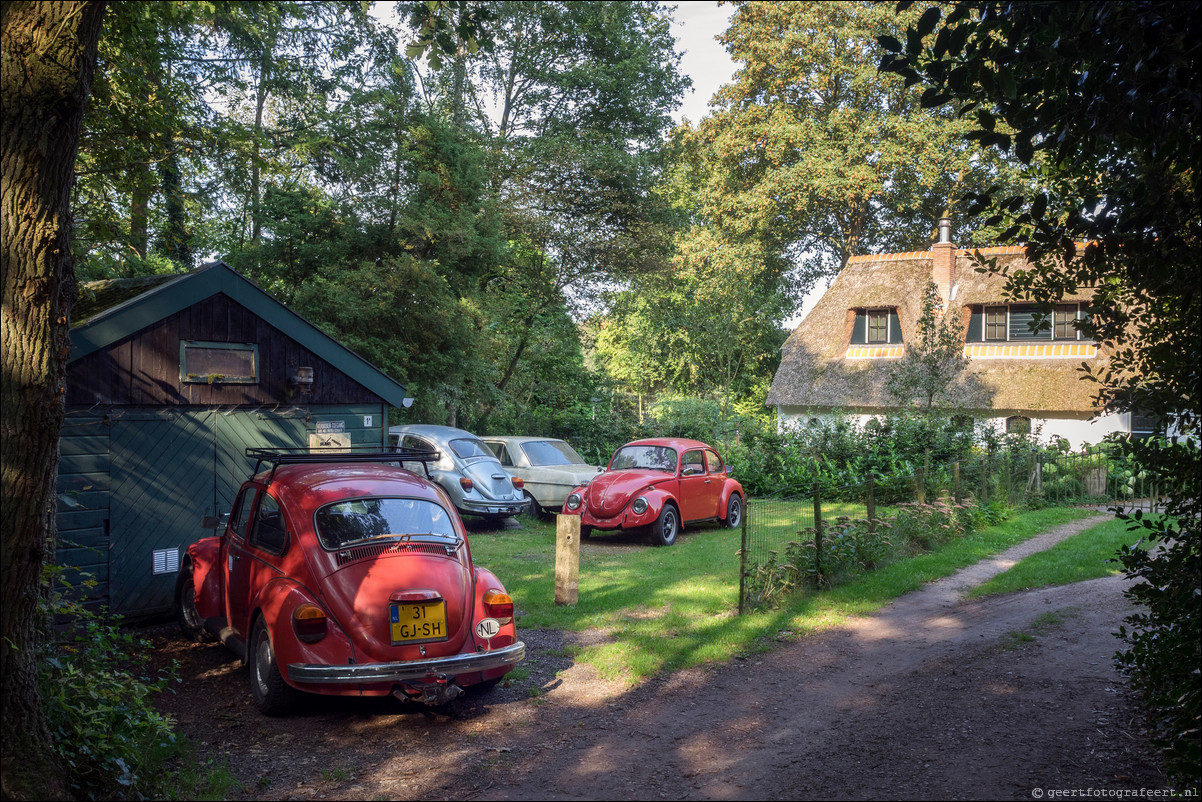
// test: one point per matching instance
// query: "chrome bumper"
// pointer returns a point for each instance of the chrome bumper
(493, 507)
(409, 669)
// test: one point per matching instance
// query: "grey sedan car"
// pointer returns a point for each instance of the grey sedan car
(466, 469)
(548, 468)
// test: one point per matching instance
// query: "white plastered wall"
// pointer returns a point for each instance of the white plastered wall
(1077, 432)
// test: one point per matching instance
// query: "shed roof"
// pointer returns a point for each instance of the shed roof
(113, 309)
(815, 373)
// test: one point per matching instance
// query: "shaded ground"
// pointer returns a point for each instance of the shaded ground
(932, 698)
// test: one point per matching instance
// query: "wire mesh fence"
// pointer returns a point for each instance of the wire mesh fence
(835, 533)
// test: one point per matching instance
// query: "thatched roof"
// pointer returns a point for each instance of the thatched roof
(815, 373)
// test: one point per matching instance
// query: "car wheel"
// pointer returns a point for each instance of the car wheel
(734, 511)
(190, 622)
(666, 527)
(533, 508)
(585, 531)
(273, 696)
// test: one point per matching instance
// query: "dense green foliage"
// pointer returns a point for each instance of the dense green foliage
(933, 362)
(98, 687)
(452, 208)
(1101, 99)
(847, 548)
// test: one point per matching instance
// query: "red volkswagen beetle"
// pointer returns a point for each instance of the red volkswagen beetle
(662, 484)
(350, 577)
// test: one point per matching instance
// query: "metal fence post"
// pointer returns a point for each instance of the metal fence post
(871, 504)
(743, 562)
(817, 529)
(926, 471)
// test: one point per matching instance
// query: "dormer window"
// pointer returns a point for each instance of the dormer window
(876, 327)
(995, 323)
(1012, 323)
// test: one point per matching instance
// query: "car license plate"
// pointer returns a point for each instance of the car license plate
(419, 623)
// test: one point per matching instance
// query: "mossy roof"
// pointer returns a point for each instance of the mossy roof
(814, 372)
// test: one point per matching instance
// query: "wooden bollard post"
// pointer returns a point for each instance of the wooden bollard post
(567, 559)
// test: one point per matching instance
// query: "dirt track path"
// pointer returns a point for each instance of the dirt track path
(932, 698)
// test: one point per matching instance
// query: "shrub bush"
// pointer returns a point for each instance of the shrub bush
(96, 683)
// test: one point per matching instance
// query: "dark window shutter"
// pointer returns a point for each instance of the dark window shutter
(976, 326)
(895, 332)
(859, 334)
(1021, 316)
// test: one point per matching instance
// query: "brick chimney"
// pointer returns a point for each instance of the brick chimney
(943, 269)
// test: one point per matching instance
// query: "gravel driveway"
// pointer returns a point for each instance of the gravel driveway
(932, 698)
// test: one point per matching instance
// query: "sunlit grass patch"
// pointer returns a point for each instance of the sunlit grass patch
(1088, 555)
(665, 609)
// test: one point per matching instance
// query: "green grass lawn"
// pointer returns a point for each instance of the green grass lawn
(664, 609)
(1088, 555)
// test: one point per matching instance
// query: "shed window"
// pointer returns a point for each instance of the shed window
(222, 363)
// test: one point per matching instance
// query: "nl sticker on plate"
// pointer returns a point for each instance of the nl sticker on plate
(488, 628)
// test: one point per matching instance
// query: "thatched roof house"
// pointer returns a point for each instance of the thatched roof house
(839, 357)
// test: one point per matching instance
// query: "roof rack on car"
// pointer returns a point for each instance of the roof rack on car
(303, 455)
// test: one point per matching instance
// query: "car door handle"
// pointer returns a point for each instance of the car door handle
(707, 481)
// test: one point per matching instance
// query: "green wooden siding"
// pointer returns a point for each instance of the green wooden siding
(162, 487)
(141, 479)
(83, 503)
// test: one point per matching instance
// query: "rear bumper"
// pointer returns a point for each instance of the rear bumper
(409, 670)
(471, 507)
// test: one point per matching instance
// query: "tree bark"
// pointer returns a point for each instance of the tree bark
(47, 58)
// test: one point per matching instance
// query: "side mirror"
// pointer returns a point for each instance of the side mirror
(215, 521)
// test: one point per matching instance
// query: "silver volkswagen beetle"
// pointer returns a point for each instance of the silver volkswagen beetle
(466, 469)
(548, 468)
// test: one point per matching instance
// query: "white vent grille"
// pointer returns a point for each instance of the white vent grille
(166, 561)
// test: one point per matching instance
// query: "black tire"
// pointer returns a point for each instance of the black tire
(666, 526)
(734, 511)
(190, 623)
(585, 532)
(273, 696)
(534, 509)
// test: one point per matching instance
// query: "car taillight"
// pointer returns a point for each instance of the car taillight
(466, 484)
(517, 482)
(309, 622)
(498, 605)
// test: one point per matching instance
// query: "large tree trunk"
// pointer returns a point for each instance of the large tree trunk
(47, 58)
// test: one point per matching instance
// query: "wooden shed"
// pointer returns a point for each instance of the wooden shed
(170, 379)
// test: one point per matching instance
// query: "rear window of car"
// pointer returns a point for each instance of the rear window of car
(353, 521)
(551, 452)
(658, 458)
(469, 447)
